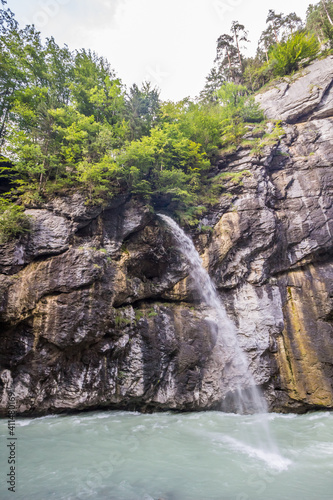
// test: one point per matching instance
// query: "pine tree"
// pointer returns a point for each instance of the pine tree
(142, 107)
(240, 35)
(324, 4)
(227, 58)
(275, 22)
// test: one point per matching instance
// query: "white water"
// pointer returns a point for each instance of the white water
(251, 400)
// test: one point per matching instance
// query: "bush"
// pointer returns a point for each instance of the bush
(13, 221)
(287, 57)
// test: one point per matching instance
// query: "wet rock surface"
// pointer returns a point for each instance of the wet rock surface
(97, 309)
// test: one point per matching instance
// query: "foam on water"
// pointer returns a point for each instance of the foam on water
(273, 460)
(319, 416)
(28, 421)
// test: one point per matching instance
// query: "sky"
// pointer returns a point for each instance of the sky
(171, 43)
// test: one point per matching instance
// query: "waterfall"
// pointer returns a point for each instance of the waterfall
(243, 396)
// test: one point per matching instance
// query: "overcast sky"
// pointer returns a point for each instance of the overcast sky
(172, 43)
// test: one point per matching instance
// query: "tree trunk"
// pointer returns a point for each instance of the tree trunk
(3, 126)
(40, 182)
(229, 60)
(230, 65)
(327, 13)
(275, 35)
(238, 50)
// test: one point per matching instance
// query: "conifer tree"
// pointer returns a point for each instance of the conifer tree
(275, 22)
(240, 35)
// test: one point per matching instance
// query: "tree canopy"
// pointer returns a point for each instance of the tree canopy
(68, 122)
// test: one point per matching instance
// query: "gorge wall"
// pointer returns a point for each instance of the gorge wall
(97, 310)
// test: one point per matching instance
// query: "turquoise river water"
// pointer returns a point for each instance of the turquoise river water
(191, 456)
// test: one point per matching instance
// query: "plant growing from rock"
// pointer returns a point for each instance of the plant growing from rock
(288, 56)
(13, 221)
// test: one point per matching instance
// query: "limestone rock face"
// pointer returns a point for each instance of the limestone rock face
(295, 98)
(97, 309)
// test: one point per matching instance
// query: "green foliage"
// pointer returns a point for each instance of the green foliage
(218, 124)
(206, 229)
(200, 122)
(152, 313)
(282, 48)
(68, 124)
(142, 109)
(95, 90)
(13, 221)
(319, 21)
(222, 181)
(138, 315)
(121, 321)
(238, 108)
(256, 73)
(268, 139)
(288, 56)
(165, 164)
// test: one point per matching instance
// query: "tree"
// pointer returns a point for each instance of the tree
(279, 28)
(240, 35)
(214, 80)
(275, 23)
(13, 73)
(266, 40)
(291, 23)
(314, 22)
(142, 109)
(226, 56)
(59, 71)
(165, 163)
(7, 19)
(318, 21)
(95, 88)
(237, 109)
(256, 72)
(325, 6)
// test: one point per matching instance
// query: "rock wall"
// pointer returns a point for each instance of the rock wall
(97, 310)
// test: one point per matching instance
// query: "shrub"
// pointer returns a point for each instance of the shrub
(13, 221)
(287, 57)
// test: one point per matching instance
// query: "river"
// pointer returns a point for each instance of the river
(170, 456)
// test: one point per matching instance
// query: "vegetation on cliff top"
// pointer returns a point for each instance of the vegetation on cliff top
(68, 123)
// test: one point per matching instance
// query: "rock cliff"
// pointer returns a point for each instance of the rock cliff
(97, 309)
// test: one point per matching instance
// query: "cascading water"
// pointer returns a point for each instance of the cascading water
(246, 396)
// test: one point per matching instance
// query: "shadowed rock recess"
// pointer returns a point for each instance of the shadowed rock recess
(97, 311)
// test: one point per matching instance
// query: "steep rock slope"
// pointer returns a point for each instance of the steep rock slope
(97, 310)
